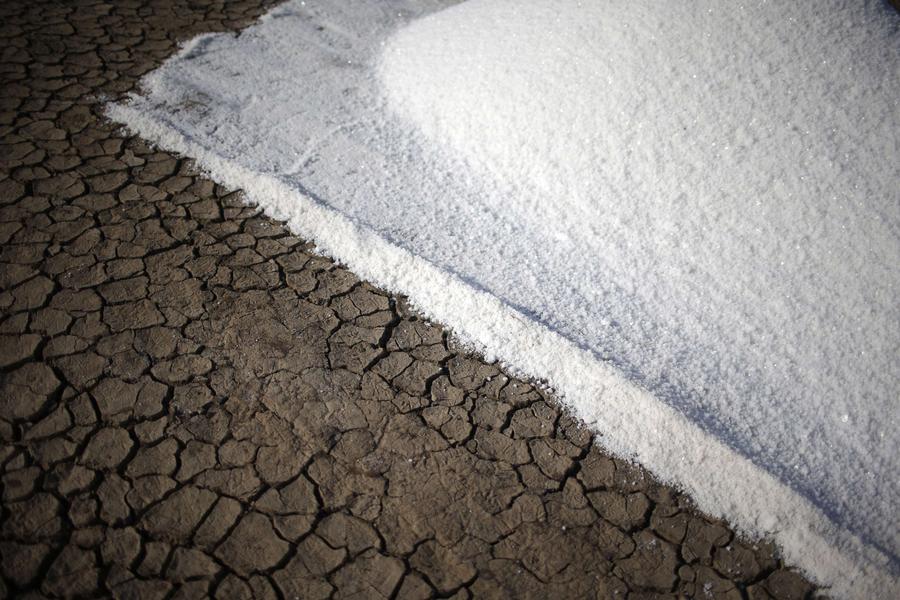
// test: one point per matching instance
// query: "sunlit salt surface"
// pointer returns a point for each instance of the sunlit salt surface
(684, 216)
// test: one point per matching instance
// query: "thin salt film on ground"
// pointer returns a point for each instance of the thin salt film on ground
(685, 216)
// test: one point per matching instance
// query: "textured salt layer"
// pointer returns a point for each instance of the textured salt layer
(685, 217)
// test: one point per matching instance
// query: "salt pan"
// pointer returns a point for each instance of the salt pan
(684, 216)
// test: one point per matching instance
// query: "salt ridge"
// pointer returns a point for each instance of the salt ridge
(275, 166)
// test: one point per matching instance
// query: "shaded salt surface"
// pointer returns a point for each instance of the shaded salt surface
(684, 216)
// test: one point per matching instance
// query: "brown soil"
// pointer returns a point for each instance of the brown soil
(192, 403)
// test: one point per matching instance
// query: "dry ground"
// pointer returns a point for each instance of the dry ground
(192, 403)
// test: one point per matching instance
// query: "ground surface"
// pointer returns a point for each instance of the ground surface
(192, 403)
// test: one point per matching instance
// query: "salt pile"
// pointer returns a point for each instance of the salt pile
(685, 216)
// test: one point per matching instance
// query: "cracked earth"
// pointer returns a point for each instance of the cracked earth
(192, 403)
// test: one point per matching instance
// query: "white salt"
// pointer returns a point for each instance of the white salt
(684, 217)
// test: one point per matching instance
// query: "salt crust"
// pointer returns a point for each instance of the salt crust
(684, 218)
